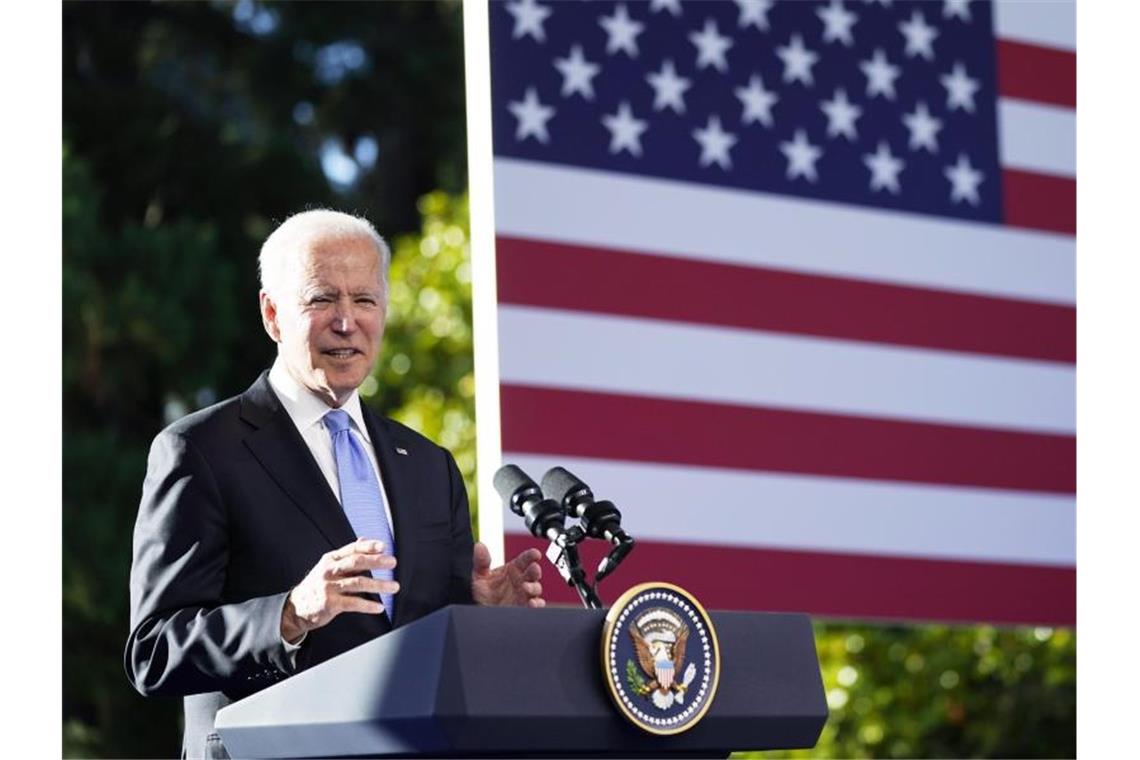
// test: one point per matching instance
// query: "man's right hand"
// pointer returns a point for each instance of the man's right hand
(330, 588)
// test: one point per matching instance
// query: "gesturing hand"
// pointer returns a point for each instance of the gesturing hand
(513, 584)
(330, 587)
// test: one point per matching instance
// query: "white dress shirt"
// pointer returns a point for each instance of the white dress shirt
(307, 413)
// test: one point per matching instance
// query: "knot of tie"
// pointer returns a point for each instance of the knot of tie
(337, 421)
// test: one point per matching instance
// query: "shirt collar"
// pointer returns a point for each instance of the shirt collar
(306, 408)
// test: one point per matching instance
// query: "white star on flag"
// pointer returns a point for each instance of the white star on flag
(798, 60)
(837, 23)
(841, 115)
(673, 6)
(625, 130)
(754, 13)
(960, 88)
(801, 156)
(881, 75)
(711, 47)
(923, 128)
(529, 17)
(577, 74)
(757, 102)
(919, 36)
(668, 88)
(715, 144)
(964, 181)
(532, 116)
(622, 31)
(959, 8)
(884, 168)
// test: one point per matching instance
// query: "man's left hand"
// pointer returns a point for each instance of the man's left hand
(515, 584)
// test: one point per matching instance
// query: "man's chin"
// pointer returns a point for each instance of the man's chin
(342, 384)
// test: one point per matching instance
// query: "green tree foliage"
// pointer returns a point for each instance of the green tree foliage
(425, 374)
(946, 691)
(144, 310)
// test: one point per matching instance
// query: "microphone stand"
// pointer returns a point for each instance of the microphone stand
(563, 554)
(614, 558)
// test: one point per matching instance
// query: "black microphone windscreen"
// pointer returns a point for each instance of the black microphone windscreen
(509, 479)
(558, 482)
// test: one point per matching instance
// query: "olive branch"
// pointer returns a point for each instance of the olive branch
(634, 679)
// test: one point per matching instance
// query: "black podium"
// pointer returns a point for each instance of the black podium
(467, 681)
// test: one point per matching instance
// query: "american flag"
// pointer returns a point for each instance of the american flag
(793, 284)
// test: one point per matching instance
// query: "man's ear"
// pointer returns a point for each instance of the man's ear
(269, 316)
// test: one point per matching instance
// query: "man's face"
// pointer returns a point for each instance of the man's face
(328, 317)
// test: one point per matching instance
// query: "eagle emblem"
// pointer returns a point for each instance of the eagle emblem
(660, 658)
(659, 638)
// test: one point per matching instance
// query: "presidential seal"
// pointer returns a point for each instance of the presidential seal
(660, 657)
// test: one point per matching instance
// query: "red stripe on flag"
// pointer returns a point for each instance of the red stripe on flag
(1032, 72)
(1040, 201)
(555, 275)
(834, 585)
(636, 428)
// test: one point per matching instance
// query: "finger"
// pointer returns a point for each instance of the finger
(359, 604)
(360, 545)
(358, 563)
(532, 573)
(536, 603)
(378, 586)
(532, 589)
(480, 559)
(526, 558)
(365, 584)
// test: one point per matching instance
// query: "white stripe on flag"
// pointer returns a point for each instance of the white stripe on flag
(816, 237)
(1051, 23)
(1037, 137)
(546, 347)
(772, 510)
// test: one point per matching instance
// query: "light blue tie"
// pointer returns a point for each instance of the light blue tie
(360, 493)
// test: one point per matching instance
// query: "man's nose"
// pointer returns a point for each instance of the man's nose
(343, 319)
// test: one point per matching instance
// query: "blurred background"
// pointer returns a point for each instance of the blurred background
(190, 129)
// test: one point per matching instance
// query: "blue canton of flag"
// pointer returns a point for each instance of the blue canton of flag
(888, 105)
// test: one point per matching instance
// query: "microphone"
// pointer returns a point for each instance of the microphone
(601, 519)
(544, 517)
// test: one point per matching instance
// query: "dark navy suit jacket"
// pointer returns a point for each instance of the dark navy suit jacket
(234, 513)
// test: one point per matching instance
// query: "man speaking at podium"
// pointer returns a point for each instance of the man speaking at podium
(284, 526)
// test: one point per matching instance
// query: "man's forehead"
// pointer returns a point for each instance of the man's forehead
(322, 243)
(315, 252)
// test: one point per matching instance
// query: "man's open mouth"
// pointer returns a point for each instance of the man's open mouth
(340, 353)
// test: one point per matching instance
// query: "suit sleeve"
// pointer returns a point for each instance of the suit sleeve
(462, 541)
(184, 639)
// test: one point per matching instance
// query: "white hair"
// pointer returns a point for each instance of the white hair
(303, 226)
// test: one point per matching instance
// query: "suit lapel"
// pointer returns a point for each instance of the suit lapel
(398, 473)
(282, 452)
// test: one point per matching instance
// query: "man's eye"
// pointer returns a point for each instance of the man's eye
(320, 299)
(367, 301)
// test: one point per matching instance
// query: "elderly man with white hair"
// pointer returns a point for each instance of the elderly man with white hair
(284, 526)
